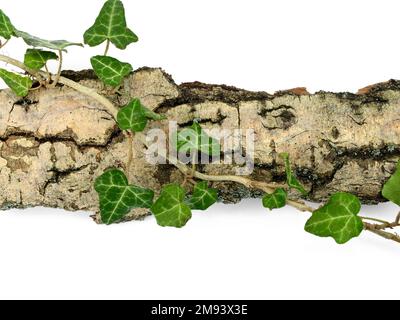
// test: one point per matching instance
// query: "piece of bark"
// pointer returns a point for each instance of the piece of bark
(55, 142)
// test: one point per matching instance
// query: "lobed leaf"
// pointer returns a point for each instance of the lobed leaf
(42, 43)
(275, 200)
(195, 138)
(36, 59)
(391, 189)
(110, 25)
(118, 198)
(203, 197)
(170, 209)
(291, 179)
(132, 117)
(110, 70)
(20, 85)
(337, 219)
(7, 30)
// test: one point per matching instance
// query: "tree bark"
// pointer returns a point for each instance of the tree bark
(55, 142)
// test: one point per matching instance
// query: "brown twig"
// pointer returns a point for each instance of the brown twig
(383, 225)
(2, 45)
(387, 235)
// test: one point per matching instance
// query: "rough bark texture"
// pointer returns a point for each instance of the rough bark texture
(55, 142)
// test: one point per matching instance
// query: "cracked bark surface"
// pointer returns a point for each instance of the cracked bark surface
(55, 142)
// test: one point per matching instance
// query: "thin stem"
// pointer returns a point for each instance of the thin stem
(375, 220)
(387, 235)
(20, 65)
(130, 154)
(397, 221)
(47, 72)
(194, 160)
(300, 205)
(57, 78)
(385, 224)
(107, 47)
(269, 188)
(37, 88)
(2, 45)
(111, 108)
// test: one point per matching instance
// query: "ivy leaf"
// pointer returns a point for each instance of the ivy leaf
(36, 59)
(203, 197)
(118, 198)
(291, 179)
(275, 200)
(170, 209)
(391, 189)
(49, 44)
(19, 84)
(110, 25)
(337, 219)
(7, 30)
(195, 138)
(132, 117)
(110, 70)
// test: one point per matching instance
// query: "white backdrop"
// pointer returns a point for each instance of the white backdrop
(238, 251)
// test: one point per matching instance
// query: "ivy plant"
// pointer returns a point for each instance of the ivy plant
(337, 219)
(110, 27)
(172, 206)
(58, 45)
(275, 200)
(195, 138)
(135, 117)
(391, 189)
(36, 59)
(118, 197)
(7, 30)
(19, 84)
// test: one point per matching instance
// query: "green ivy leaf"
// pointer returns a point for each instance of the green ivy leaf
(291, 179)
(170, 209)
(132, 117)
(118, 198)
(275, 200)
(7, 30)
(110, 70)
(195, 138)
(19, 84)
(337, 219)
(49, 44)
(36, 59)
(110, 25)
(391, 189)
(203, 197)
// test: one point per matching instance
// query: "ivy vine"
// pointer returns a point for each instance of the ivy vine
(339, 218)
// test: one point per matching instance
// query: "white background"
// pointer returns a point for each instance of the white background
(240, 251)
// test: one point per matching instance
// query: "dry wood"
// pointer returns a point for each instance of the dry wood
(55, 142)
